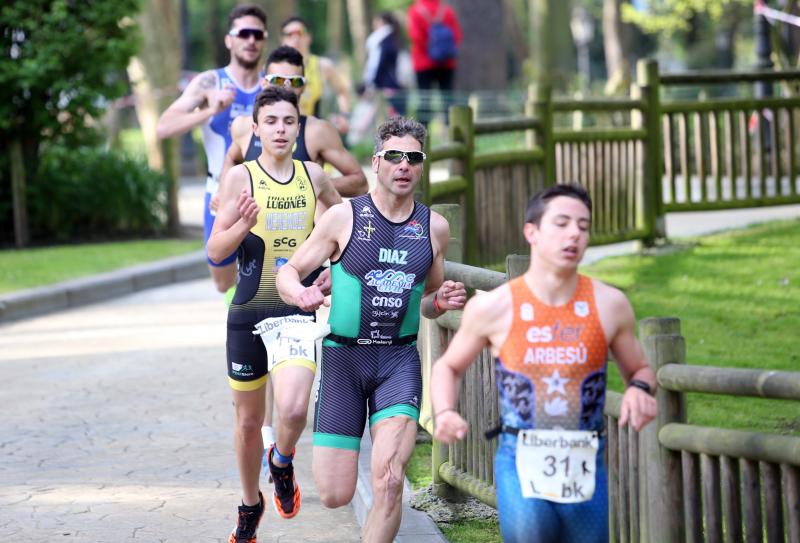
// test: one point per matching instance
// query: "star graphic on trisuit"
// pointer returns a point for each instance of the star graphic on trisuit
(555, 383)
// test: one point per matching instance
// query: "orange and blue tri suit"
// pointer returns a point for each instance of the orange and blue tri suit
(285, 220)
(551, 374)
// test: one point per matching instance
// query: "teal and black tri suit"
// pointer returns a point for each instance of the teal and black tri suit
(370, 359)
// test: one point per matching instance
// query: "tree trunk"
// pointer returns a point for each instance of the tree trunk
(514, 29)
(19, 201)
(359, 25)
(154, 74)
(216, 27)
(335, 23)
(617, 66)
(277, 12)
(552, 51)
(483, 64)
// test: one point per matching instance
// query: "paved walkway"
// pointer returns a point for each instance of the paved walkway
(117, 427)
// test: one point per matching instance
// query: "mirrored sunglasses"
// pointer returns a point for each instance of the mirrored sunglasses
(396, 157)
(295, 81)
(247, 33)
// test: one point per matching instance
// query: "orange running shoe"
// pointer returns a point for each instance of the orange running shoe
(247, 523)
(286, 497)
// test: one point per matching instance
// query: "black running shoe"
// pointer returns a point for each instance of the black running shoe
(286, 497)
(247, 523)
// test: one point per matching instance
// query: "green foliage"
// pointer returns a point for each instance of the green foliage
(29, 268)
(85, 192)
(670, 16)
(392, 5)
(63, 60)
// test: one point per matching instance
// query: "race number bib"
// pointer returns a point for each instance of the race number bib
(557, 465)
(290, 337)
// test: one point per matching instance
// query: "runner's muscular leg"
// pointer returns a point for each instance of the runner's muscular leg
(335, 475)
(292, 388)
(249, 411)
(393, 442)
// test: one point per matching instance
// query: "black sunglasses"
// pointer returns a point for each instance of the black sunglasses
(396, 157)
(247, 33)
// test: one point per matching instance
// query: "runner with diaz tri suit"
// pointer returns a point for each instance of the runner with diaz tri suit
(550, 331)
(212, 100)
(387, 267)
(267, 209)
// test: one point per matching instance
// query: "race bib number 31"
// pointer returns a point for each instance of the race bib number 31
(557, 465)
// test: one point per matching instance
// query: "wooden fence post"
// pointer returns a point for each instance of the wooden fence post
(540, 105)
(661, 491)
(516, 265)
(462, 130)
(423, 191)
(454, 214)
(432, 341)
(652, 212)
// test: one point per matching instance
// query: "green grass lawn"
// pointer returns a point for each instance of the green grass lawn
(738, 297)
(28, 268)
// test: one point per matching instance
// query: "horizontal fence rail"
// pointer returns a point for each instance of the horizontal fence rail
(781, 385)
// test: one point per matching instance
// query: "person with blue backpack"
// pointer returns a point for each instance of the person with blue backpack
(435, 35)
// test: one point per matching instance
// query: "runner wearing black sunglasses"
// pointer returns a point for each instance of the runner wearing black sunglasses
(387, 267)
(212, 100)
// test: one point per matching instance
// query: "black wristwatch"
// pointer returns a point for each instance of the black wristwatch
(643, 385)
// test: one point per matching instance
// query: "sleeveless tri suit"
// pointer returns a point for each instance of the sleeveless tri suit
(370, 363)
(285, 220)
(551, 373)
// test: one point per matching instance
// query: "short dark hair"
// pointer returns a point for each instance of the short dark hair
(273, 95)
(538, 204)
(244, 11)
(294, 19)
(399, 127)
(285, 53)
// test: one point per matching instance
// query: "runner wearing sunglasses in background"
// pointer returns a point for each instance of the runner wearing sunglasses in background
(320, 72)
(212, 100)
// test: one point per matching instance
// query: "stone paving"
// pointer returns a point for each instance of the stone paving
(116, 426)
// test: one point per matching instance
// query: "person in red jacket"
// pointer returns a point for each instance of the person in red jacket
(435, 35)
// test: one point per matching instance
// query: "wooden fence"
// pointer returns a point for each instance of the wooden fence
(673, 481)
(664, 155)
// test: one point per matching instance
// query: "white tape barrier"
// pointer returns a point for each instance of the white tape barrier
(776, 15)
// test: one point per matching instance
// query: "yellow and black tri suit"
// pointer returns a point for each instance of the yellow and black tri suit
(285, 220)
